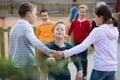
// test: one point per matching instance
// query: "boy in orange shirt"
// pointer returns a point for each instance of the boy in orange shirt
(44, 34)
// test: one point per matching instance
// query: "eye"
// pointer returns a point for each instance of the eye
(45, 15)
(42, 15)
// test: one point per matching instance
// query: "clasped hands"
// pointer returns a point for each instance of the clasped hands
(53, 55)
(56, 54)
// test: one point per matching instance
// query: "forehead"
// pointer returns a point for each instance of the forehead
(60, 26)
(82, 9)
(44, 13)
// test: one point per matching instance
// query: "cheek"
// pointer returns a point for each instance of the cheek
(97, 22)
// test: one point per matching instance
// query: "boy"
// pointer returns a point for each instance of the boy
(44, 34)
(23, 41)
(57, 69)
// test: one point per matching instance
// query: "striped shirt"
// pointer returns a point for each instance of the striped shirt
(22, 43)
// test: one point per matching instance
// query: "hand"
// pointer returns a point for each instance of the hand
(51, 60)
(56, 54)
(59, 54)
(79, 75)
(52, 53)
(67, 38)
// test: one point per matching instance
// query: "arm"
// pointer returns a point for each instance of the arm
(93, 36)
(78, 65)
(34, 41)
(70, 29)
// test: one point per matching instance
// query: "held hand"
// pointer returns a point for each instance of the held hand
(52, 53)
(79, 75)
(51, 60)
(59, 54)
(67, 38)
(56, 54)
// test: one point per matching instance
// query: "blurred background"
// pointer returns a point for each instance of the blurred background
(58, 10)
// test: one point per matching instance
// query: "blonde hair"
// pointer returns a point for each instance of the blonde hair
(59, 22)
(81, 6)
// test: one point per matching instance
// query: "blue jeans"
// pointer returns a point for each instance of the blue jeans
(102, 75)
(82, 55)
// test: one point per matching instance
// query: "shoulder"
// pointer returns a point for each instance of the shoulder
(97, 31)
(87, 20)
(50, 45)
(68, 45)
(75, 21)
(40, 24)
(52, 22)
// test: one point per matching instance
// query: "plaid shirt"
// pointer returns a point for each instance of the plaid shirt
(22, 43)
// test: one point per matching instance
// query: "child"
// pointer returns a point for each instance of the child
(23, 41)
(105, 40)
(44, 34)
(44, 29)
(81, 27)
(60, 70)
(73, 13)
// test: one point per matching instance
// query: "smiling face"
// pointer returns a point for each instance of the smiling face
(59, 31)
(82, 13)
(44, 16)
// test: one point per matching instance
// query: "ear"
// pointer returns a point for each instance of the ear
(101, 17)
(28, 14)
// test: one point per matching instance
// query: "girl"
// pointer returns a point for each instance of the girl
(105, 39)
(81, 28)
(59, 70)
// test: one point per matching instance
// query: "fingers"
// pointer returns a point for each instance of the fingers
(79, 75)
(51, 60)
(52, 53)
(56, 54)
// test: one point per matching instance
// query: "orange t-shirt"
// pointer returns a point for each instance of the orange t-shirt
(44, 32)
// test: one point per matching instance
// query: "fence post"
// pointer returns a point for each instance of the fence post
(2, 21)
(2, 50)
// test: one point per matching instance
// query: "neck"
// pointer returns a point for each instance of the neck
(81, 19)
(24, 18)
(60, 42)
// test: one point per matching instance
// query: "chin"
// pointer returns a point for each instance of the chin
(59, 37)
(31, 22)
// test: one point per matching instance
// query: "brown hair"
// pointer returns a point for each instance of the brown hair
(59, 22)
(81, 6)
(105, 11)
(43, 10)
(25, 7)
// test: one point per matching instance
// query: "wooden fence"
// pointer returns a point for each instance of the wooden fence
(3, 41)
(54, 8)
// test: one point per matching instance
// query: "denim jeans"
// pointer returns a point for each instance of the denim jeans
(82, 55)
(102, 75)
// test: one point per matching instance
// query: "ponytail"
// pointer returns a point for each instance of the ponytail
(114, 21)
(76, 16)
